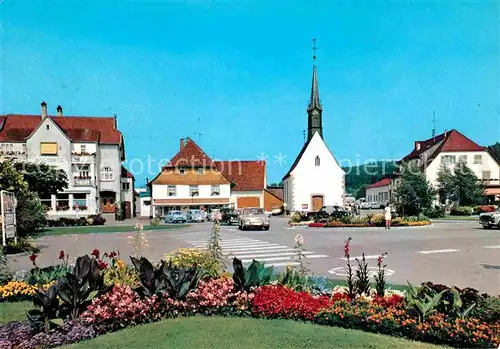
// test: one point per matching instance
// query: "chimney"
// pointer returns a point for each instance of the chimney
(417, 145)
(445, 133)
(44, 109)
(59, 111)
(182, 144)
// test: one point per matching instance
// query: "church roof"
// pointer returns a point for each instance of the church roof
(297, 159)
(314, 102)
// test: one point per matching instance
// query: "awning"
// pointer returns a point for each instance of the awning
(492, 191)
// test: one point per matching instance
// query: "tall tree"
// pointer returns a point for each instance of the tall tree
(467, 188)
(43, 179)
(446, 185)
(495, 151)
(415, 194)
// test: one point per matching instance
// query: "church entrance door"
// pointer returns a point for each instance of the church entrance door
(317, 202)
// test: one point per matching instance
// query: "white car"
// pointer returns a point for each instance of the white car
(175, 217)
(195, 216)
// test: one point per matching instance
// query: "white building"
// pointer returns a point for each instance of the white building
(447, 149)
(379, 192)
(89, 149)
(191, 180)
(315, 178)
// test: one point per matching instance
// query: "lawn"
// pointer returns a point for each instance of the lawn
(102, 229)
(15, 311)
(238, 333)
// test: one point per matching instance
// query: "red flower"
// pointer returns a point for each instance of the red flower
(33, 258)
(347, 248)
(61, 255)
(96, 253)
(102, 264)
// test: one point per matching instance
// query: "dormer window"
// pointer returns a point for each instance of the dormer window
(182, 171)
(317, 161)
(200, 170)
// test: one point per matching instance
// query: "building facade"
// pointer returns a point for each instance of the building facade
(192, 180)
(380, 192)
(89, 149)
(315, 178)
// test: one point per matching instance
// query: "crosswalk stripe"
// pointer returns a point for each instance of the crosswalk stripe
(284, 258)
(438, 251)
(497, 246)
(361, 257)
(223, 240)
(244, 246)
(282, 264)
(257, 248)
(266, 255)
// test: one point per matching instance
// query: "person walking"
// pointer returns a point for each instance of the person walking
(387, 214)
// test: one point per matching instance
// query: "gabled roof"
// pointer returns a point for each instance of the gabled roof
(449, 142)
(16, 127)
(190, 155)
(297, 159)
(277, 191)
(381, 183)
(247, 175)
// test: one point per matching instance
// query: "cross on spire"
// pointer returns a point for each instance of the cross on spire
(314, 50)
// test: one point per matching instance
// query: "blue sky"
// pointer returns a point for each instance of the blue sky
(240, 72)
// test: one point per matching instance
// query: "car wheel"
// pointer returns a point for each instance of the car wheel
(486, 227)
(266, 227)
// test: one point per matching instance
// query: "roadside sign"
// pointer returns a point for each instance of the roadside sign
(8, 212)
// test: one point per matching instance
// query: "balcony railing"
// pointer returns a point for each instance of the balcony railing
(83, 182)
(16, 155)
(492, 181)
(83, 158)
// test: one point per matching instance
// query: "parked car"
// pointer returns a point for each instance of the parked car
(229, 216)
(195, 216)
(253, 217)
(490, 219)
(175, 217)
(374, 205)
(329, 211)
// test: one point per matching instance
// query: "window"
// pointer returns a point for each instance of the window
(448, 159)
(147, 202)
(23, 146)
(478, 159)
(171, 190)
(47, 126)
(46, 201)
(369, 198)
(215, 190)
(200, 171)
(83, 171)
(486, 175)
(80, 201)
(182, 171)
(107, 174)
(386, 196)
(463, 158)
(83, 148)
(125, 186)
(47, 148)
(193, 190)
(62, 202)
(317, 161)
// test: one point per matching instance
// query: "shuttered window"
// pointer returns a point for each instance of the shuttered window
(48, 148)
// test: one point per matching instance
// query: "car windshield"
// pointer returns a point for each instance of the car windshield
(195, 212)
(253, 211)
(175, 213)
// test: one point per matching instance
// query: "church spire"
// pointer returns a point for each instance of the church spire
(314, 110)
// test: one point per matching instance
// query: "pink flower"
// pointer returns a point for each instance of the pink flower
(33, 258)
(347, 247)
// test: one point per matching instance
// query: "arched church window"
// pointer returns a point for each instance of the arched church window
(317, 161)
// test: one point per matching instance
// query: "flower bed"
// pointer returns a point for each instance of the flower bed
(15, 291)
(340, 224)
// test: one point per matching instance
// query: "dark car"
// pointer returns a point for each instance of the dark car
(229, 216)
(330, 211)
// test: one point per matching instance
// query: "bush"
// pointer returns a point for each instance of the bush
(6, 273)
(296, 218)
(24, 244)
(187, 257)
(67, 222)
(97, 219)
(30, 213)
(461, 211)
(484, 209)
(377, 220)
(155, 221)
(435, 212)
(39, 276)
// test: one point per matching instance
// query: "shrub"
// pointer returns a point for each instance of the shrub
(377, 220)
(24, 244)
(484, 209)
(461, 211)
(67, 222)
(187, 257)
(119, 308)
(46, 275)
(435, 212)
(285, 303)
(97, 219)
(296, 218)
(30, 213)
(155, 221)
(6, 273)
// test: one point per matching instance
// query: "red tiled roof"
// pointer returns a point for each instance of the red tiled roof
(381, 183)
(126, 173)
(277, 191)
(247, 175)
(190, 155)
(16, 127)
(450, 141)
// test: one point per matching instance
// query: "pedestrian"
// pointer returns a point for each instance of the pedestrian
(387, 213)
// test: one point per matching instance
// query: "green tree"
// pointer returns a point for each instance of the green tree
(11, 179)
(495, 151)
(446, 186)
(357, 178)
(43, 179)
(415, 194)
(467, 188)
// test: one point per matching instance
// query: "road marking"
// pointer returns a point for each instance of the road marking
(497, 246)
(438, 251)
(361, 257)
(263, 249)
(282, 258)
(372, 271)
(283, 264)
(223, 240)
(243, 245)
(266, 255)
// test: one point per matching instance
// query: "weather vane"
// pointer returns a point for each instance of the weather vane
(314, 49)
